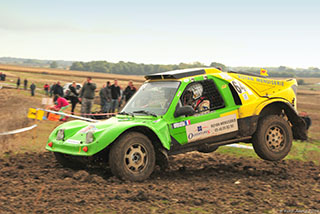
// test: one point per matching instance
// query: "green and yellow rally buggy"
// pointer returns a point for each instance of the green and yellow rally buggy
(185, 110)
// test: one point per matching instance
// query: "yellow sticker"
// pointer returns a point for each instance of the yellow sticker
(32, 113)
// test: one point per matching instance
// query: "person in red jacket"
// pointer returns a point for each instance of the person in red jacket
(61, 105)
(46, 88)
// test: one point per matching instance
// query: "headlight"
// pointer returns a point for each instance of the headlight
(89, 137)
(60, 134)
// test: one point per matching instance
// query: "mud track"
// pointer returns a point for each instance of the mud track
(195, 182)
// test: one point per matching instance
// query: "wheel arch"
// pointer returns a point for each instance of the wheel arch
(278, 107)
(160, 151)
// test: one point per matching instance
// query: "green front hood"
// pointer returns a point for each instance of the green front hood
(104, 132)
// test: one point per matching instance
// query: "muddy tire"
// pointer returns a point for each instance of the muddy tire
(273, 138)
(132, 157)
(68, 162)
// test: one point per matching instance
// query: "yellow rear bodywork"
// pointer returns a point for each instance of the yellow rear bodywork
(258, 92)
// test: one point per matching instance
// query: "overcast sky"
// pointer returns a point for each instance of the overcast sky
(233, 32)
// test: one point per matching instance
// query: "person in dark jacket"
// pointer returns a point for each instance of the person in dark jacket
(57, 89)
(109, 98)
(115, 95)
(129, 91)
(18, 82)
(51, 89)
(32, 88)
(87, 96)
(73, 96)
(25, 84)
(105, 98)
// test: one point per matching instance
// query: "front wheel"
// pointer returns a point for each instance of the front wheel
(273, 138)
(132, 157)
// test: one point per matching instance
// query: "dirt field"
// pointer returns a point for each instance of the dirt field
(195, 183)
(31, 181)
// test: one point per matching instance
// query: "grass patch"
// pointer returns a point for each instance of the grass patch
(304, 151)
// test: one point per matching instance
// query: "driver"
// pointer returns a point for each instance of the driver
(194, 97)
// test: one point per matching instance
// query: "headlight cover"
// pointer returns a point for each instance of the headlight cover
(60, 135)
(89, 137)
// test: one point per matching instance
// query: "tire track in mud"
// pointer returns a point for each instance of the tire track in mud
(36, 183)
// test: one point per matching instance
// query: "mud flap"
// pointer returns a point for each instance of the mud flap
(299, 127)
(162, 159)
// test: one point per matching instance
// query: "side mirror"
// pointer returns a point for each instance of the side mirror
(184, 110)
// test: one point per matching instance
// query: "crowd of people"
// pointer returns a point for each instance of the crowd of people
(112, 96)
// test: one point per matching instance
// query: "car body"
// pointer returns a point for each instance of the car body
(186, 110)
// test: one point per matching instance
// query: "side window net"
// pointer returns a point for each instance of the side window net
(201, 92)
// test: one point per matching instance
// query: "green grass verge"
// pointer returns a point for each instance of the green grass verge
(304, 151)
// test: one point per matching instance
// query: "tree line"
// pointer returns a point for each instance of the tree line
(131, 68)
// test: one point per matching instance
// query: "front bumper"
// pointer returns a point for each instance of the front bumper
(71, 149)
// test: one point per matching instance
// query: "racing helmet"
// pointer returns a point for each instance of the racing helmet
(196, 90)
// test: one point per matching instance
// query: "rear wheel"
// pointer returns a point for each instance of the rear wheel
(273, 138)
(132, 157)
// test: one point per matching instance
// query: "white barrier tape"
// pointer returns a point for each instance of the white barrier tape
(69, 115)
(240, 146)
(19, 130)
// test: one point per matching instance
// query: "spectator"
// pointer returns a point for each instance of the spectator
(46, 88)
(115, 95)
(103, 97)
(87, 96)
(129, 91)
(58, 90)
(25, 84)
(3, 76)
(109, 98)
(61, 104)
(121, 100)
(52, 88)
(32, 88)
(73, 96)
(18, 82)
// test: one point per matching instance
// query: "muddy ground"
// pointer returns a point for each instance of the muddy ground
(194, 183)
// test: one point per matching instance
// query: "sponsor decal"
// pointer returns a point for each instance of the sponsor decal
(262, 80)
(179, 93)
(180, 124)
(211, 128)
(186, 80)
(240, 87)
(88, 128)
(223, 86)
(199, 132)
(225, 76)
(73, 141)
(156, 121)
(205, 77)
(245, 96)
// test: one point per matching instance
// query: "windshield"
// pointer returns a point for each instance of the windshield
(152, 98)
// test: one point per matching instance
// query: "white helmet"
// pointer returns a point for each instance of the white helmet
(196, 90)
